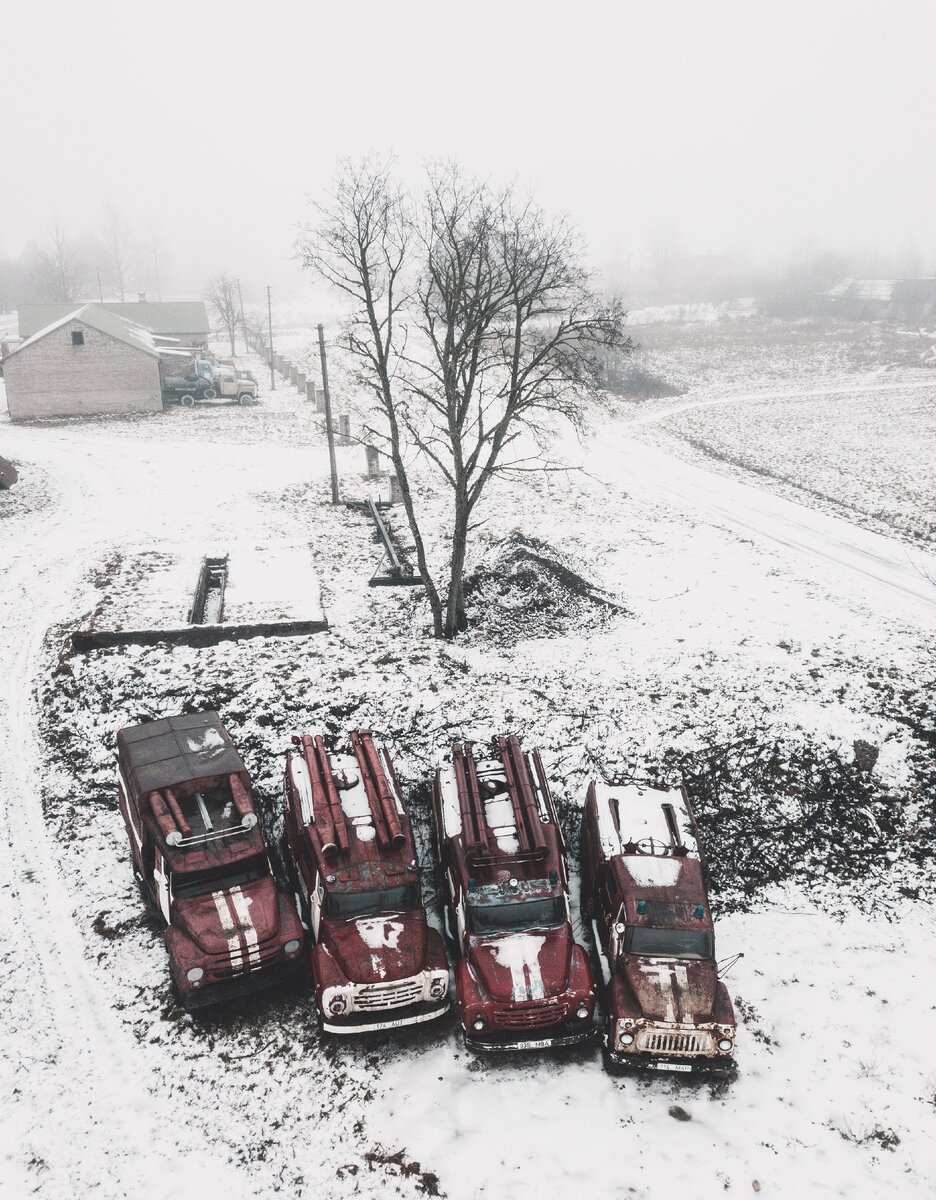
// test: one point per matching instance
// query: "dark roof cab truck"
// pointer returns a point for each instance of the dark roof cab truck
(199, 854)
(522, 982)
(187, 389)
(376, 961)
(644, 883)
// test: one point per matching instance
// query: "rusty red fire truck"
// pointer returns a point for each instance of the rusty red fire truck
(522, 982)
(199, 855)
(377, 962)
(644, 884)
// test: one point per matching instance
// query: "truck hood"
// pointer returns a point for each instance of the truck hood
(681, 990)
(522, 966)
(233, 920)
(374, 949)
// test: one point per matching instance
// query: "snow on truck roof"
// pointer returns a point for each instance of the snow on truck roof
(351, 808)
(647, 821)
(174, 750)
(501, 807)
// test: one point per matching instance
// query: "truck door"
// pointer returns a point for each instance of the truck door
(161, 885)
(316, 899)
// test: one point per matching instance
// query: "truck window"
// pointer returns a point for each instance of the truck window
(668, 943)
(372, 904)
(200, 883)
(517, 915)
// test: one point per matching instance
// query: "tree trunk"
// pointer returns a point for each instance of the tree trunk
(455, 619)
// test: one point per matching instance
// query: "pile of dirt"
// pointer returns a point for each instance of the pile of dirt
(527, 588)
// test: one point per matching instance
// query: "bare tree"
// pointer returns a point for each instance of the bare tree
(56, 270)
(118, 247)
(155, 255)
(223, 298)
(471, 363)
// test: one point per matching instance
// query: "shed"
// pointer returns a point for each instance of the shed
(184, 321)
(88, 362)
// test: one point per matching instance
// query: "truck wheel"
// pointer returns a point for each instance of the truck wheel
(187, 401)
(244, 398)
(210, 393)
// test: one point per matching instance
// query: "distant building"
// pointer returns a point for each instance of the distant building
(87, 362)
(909, 301)
(184, 321)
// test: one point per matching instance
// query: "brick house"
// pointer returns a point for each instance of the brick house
(88, 362)
(184, 322)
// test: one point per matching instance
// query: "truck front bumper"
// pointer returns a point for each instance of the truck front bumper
(701, 1065)
(494, 1041)
(388, 1018)
(237, 986)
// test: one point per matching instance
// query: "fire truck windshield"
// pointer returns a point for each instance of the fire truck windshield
(518, 915)
(371, 904)
(200, 883)
(668, 943)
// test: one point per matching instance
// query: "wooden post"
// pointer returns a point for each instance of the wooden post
(396, 496)
(373, 461)
(344, 430)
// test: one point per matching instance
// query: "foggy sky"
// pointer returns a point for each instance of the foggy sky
(746, 126)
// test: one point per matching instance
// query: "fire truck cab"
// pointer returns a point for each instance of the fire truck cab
(644, 883)
(377, 962)
(199, 855)
(522, 982)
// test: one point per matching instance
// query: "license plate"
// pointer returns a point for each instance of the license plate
(673, 1066)
(544, 1044)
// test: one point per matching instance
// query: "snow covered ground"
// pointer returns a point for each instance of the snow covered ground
(756, 611)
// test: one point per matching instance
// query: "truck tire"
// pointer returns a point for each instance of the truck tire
(187, 401)
(210, 393)
(244, 398)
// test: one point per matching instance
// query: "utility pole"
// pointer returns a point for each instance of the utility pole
(328, 417)
(100, 290)
(270, 321)
(243, 321)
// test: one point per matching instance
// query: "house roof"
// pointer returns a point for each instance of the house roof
(98, 318)
(158, 316)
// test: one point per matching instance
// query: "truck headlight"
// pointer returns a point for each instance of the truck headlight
(292, 946)
(581, 1012)
(338, 1004)
(438, 987)
(625, 1038)
(193, 974)
(725, 1044)
(478, 1024)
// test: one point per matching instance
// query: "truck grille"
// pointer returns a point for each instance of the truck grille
(220, 964)
(675, 1043)
(397, 994)
(534, 1016)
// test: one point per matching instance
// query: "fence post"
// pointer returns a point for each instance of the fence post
(396, 495)
(373, 461)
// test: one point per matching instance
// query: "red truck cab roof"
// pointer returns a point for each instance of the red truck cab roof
(193, 790)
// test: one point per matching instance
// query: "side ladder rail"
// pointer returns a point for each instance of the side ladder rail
(524, 803)
(469, 801)
(379, 798)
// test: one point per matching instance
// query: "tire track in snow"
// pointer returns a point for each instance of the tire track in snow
(855, 563)
(83, 1114)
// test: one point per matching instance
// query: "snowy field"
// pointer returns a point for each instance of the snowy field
(768, 619)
